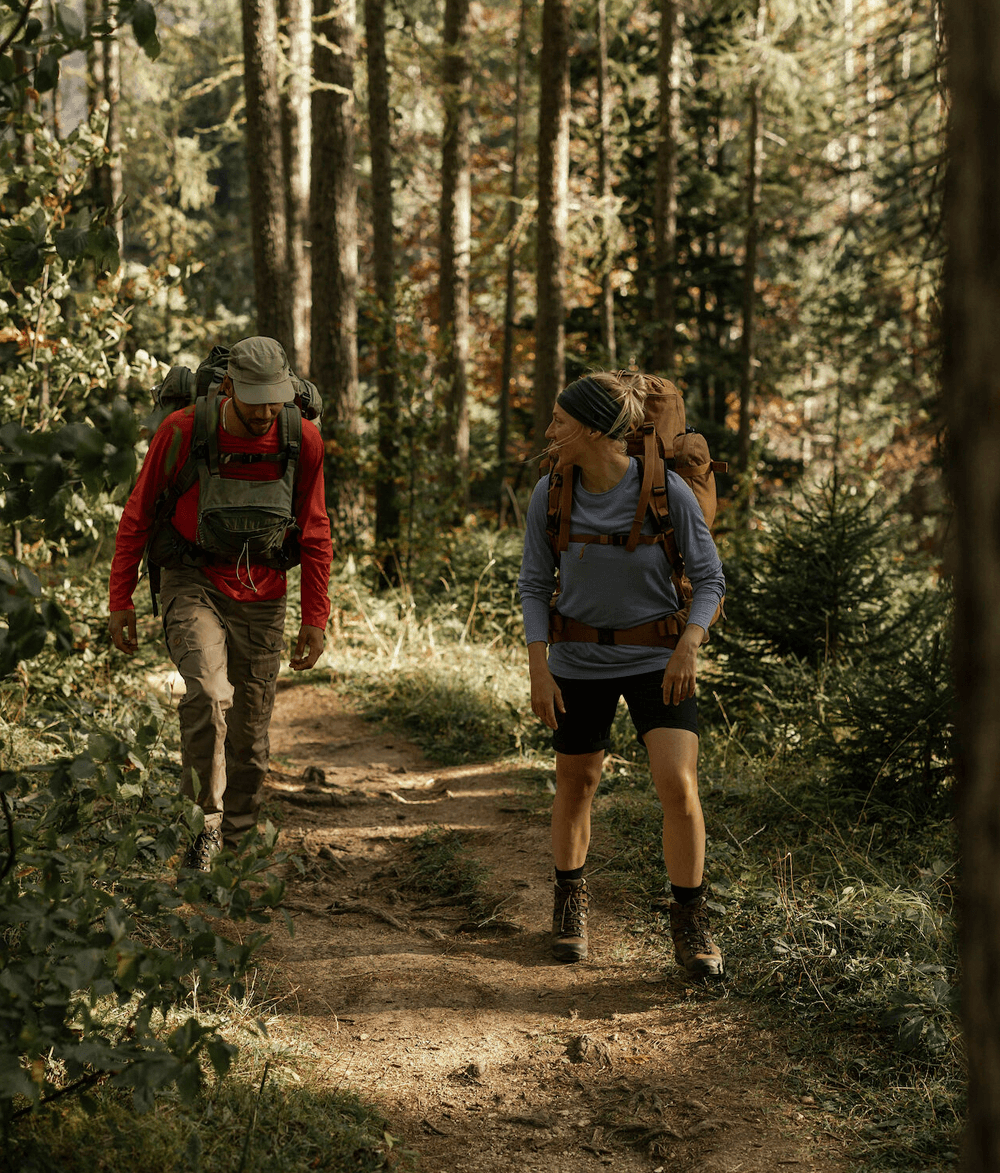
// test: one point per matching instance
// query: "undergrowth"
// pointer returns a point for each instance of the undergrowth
(279, 1109)
(110, 961)
(834, 908)
(837, 920)
(445, 867)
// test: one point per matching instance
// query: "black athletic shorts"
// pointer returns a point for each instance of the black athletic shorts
(585, 727)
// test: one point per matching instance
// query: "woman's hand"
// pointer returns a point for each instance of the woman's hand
(546, 697)
(682, 667)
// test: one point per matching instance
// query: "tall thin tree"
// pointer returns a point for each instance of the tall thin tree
(296, 126)
(755, 151)
(266, 171)
(387, 507)
(334, 235)
(113, 181)
(55, 96)
(607, 314)
(665, 195)
(553, 182)
(972, 359)
(456, 227)
(510, 286)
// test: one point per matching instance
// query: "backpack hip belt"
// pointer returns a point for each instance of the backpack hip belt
(658, 633)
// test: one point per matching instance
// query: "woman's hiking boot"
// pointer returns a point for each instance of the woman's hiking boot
(207, 844)
(693, 945)
(569, 920)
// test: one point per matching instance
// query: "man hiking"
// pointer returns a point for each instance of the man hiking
(229, 496)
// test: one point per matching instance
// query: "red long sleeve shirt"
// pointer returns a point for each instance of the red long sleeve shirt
(168, 450)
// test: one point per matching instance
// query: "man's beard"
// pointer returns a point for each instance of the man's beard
(256, 427)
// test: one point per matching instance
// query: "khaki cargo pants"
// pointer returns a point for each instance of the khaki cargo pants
(228, 654)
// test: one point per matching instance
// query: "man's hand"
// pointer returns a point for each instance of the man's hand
(308, 647)
(121, 628)
(546, 696)
(682, 667)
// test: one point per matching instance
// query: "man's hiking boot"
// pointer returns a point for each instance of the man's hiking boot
(569, 921)
(206, 845)
(693, 945)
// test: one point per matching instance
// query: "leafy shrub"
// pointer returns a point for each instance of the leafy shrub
(97, 944)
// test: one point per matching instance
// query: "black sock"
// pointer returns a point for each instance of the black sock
(571, 874)
(686, 895)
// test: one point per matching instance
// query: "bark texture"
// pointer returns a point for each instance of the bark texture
(387, 510)
(755, 148)
(455, 225)
(665, 195)
(297, 146)
(510, 289)
(607, 259)
(553, 179)
(972, 400)
(334, 234)
(266, 171)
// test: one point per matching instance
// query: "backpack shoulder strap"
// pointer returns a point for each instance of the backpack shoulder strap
(290, 432)
(205, 439)
(659, 504)
(650, 462)
(560, 507)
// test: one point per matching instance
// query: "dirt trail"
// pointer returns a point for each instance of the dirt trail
(483, 1053)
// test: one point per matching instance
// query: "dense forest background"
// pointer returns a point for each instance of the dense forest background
(445, 212)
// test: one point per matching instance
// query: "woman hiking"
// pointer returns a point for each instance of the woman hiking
(604, 641)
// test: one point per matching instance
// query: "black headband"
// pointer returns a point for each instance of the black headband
(590, 403)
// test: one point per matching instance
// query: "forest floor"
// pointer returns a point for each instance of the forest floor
(483, 1053)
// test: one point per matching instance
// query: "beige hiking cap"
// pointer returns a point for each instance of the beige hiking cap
(260, 373)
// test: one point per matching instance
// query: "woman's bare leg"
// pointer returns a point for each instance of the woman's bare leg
(577, 779)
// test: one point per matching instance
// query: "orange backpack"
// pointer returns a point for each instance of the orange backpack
(663, 441)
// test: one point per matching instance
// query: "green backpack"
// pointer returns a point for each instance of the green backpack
(182, 386)
(239, 520)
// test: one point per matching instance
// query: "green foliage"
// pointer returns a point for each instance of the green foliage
(838, 926)
(47, 46)
(67, 448)
(837, 641)
(100, 944)
(297, 1125)
(95, 943)
(827, 579)
(454, 719)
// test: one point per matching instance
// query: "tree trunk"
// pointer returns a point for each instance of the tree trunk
(55, 96)
(334, 234)
(296, 125)
(754, 153)
(607, 260)
(510, 291)
(94, 81)
(455, 224)
(266, 172)
(665, 196)
(553, 180)
(114, 185)
(387, 509)
(972, 359)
